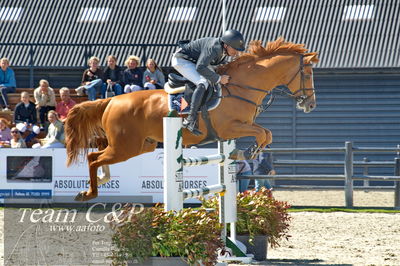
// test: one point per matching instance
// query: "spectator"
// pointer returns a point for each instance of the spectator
(7, 82)
(45, 100)
(263, 165)
(243, 168)
(5, 133)
(25, 116)
(55, 136)
(112, 76)
(65, 104)
(16, 139)
(153, 78)
(133, 76)
(92, 80)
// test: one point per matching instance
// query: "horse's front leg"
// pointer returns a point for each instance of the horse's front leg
(262, 136)
(252, 151)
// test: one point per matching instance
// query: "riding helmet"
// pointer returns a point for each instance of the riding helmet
(234, 39)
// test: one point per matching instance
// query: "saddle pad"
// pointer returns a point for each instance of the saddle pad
(177, 102)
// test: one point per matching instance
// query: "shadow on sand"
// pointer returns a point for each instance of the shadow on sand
(281, 262)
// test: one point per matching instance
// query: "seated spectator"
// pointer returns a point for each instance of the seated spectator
(45, 100)
(5, 133)
(133, 76)
(25, 117)
(153, 78)
(243, 168)
(7, 82)
(55, 136)
(112, 76)
(65, 104)
(92, 80)
(16, 139)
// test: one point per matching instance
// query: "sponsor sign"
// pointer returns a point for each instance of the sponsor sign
(42, 173)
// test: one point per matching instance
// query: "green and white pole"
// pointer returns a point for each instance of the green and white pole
(174, 195)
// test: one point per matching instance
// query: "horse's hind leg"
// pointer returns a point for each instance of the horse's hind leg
(106, 157)
(92, 192)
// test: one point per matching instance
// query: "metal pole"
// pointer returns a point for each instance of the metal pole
(223, 16)
(86, 56)
(31, 66)
(348, 173)
(144, 58)
(397, 184)
(365, 172)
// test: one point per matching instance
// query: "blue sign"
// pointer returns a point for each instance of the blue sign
(32, 194)
(5, 193)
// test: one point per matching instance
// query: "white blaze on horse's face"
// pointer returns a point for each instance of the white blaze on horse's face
(306, 100)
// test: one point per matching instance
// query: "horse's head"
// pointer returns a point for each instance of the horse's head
(301, 84)
(281, 67)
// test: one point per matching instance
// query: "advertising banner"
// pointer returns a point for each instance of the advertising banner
(42, 174)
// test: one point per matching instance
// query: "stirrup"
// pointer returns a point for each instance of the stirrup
(191, 126)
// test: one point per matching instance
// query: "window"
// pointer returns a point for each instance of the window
(358, 12)
(10, 13)
(270, 14)
(94, 14)
(176, 14)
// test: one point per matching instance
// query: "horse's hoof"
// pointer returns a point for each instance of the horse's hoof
(237, 154)
(84, 196)
(251, 152)
(81, 196)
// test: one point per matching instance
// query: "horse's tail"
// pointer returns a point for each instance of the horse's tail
(83, 126)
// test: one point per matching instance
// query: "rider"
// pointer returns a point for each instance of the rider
(193, 60)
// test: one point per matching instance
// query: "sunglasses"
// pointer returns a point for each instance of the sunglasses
(14, 131)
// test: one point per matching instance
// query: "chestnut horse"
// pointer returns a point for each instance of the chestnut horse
(132, 123)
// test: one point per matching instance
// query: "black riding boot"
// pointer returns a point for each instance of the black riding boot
(190, 122)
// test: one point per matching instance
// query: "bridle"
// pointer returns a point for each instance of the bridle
(280, 90)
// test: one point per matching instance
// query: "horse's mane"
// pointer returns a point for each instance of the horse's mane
(256, 50)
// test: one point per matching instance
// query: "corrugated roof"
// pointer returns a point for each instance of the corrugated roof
(343, 43)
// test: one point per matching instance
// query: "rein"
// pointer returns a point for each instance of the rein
(281, 90)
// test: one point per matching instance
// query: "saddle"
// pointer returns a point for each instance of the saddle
(180, 91)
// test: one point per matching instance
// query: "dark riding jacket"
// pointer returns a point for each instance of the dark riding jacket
(204, 52)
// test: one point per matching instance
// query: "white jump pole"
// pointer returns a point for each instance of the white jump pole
(174, 194)
(173, 172)
(174, 161)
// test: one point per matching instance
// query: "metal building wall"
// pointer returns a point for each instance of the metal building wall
(320, 24)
